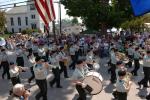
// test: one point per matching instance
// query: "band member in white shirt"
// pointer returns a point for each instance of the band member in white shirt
(4, 62)
(137, 57)
(31, 62)
(63, 57)
(77, 77)
(54, 62)
(72, 51)
(113, 65)
(122, 87)
(130, 55)
(40, 72)
(19, 53)
(146, 69)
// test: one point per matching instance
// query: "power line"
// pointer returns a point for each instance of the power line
(15, 3)
(11, 5)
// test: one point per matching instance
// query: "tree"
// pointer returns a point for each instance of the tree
(99, 14)
(93, 12)
(136, 24)
(75, 21)
(2, 21)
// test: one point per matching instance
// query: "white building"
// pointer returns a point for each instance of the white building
(23, 17)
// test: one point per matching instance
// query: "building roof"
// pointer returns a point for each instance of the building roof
(17, 10)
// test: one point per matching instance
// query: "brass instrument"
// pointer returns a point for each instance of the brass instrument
(127, 80)
(147, 42)
(121, 56)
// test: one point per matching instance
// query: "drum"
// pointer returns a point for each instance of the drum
(94, 81)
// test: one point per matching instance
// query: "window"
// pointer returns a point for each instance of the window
(12, 30)
(12, 21)
(33, 26)
(20, 30)
(19, 21)
(33, 16)
(26, 20)
(32, 7)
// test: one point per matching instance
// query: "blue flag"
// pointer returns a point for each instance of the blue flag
(140, 7)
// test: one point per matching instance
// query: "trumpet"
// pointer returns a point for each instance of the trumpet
(121, 56)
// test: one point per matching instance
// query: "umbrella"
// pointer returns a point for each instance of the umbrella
(2, 41)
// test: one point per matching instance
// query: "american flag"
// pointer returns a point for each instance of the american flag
(45, 9)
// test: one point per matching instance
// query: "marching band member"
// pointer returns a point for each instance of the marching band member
(40, 71)
(89, 58)
(31, 62)
(72, 51)
(61, 62)
(122, 87)
(77, 77)
(113, 65)
(120, 67)
(54, 61)
(130, 51)
(41, 52)
(14, 72)
(137, 57)
(19, 53)
(146, 69)
(35, 48)
(4, 62)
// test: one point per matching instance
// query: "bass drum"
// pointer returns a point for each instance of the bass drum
(94, 81)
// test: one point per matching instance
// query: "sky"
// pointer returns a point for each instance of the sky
(63, 14)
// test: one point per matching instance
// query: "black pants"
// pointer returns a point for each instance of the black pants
(82, 93)
(137, 66)
(33, 76)
(56, 79)
(63, 69)
(146, 78)
(20, 61)
(15, 80)
(130, 61)
(5, 66)
(121, 96)
(42, 84)
(113, 73)
(72, 65)
(30, 51)
(35, 54)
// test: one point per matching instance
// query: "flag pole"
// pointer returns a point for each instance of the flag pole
(60, 17)
(54, 29)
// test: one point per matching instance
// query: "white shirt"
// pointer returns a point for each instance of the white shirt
(146, 61)
(40, 72)
(14, 72)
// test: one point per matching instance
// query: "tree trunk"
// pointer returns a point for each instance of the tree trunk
(103, 29)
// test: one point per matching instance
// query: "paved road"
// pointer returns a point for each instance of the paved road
(68, 92)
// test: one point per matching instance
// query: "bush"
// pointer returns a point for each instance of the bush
(30, 31)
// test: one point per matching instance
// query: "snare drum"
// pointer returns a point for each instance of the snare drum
(94, 80)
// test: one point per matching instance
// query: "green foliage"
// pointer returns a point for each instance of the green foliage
(75, 21)
(136, 24)
(2, 21)
(100, 14)
(30, 31)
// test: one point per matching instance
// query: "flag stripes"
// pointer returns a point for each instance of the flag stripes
(45, 9)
